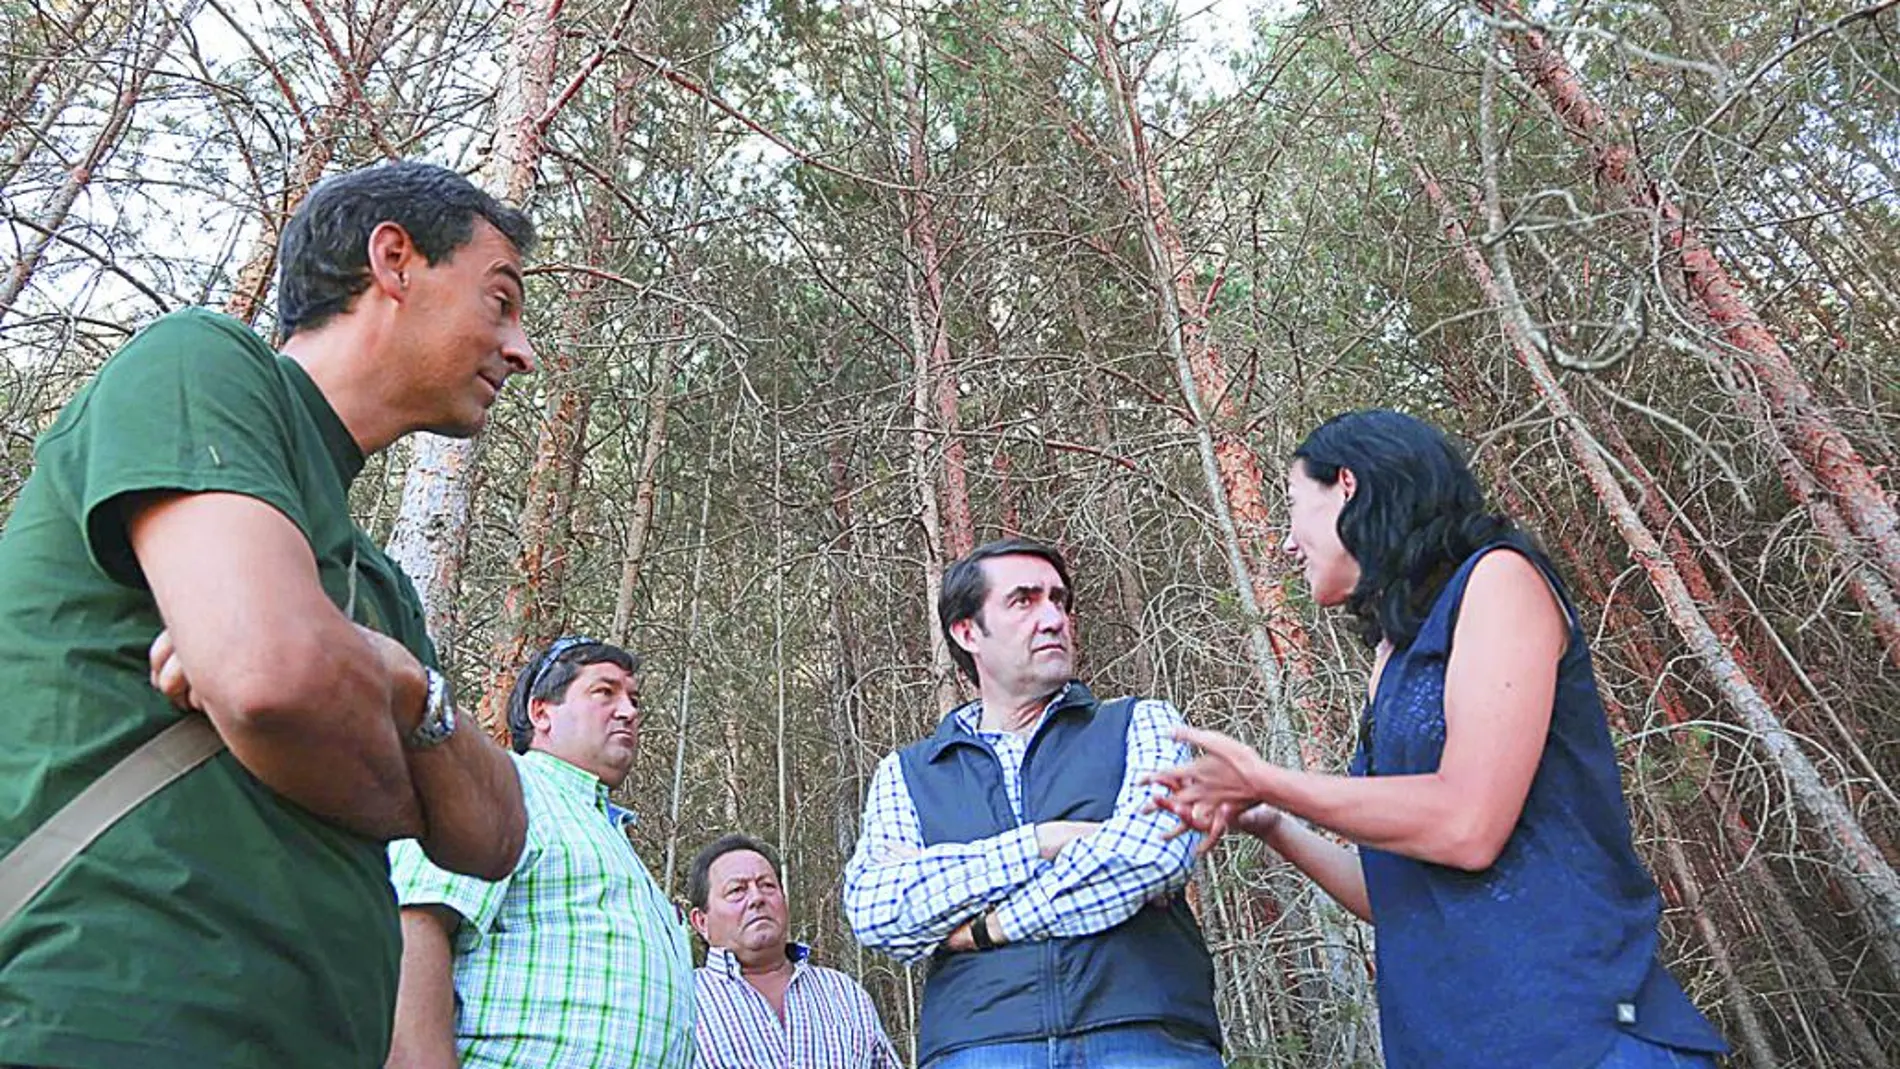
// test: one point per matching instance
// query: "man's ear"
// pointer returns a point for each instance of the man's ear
(697, 918)
(539, 716)
(963, 633)
(392, 255)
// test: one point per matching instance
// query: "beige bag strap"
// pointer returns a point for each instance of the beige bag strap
(30, 866)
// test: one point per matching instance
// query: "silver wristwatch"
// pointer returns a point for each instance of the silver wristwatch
(438, 717)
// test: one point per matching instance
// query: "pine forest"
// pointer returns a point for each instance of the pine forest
(830, 291)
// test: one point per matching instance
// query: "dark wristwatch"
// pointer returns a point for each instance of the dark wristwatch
(438, 716)
(980, 930)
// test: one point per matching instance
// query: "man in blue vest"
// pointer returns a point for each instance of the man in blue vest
(1011, 849)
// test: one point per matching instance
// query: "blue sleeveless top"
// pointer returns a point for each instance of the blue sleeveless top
(1542, 958)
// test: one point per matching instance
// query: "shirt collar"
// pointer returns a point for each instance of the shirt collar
(961, 725)
(725, 963)
(344, 453)
(570, 778)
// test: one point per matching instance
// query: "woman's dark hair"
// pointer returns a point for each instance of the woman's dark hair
(548, 675)
(1416, 516)
(324, 256)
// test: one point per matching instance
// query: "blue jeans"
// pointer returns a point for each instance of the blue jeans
(1633, 1053)
(1150, 1046)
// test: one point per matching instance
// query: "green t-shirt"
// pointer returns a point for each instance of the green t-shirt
(217, 924)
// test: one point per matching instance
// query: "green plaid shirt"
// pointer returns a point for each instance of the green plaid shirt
(577, 960)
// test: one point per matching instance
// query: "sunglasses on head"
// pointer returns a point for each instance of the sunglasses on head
(556, 649)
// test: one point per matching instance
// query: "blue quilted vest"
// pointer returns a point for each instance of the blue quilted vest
(1152, 968)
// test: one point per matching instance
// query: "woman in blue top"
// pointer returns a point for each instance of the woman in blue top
(1516, 926)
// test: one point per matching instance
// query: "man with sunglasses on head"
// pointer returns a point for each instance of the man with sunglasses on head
(576, 958)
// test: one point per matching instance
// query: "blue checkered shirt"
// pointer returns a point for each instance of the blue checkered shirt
(903, 897)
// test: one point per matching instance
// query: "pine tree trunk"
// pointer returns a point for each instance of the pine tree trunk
(430, 540)
(943, 672)
(71, 36)
(41, 131)
(54, 217)
(1236, 487)
(1798, 419)
(531, 605)
(701, 537)
(646, 480)
(253, 280)
(933, 329)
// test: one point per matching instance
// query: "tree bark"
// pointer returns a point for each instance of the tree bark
(1236, 484)
(702, 536)
(1236, 489)
(944, 675)
(54, 217)
(933, 329)
(430, 541)
(646, 480)
(72, 35)
(531, 605)
(49, 116)
(313, 156)
(253, 280)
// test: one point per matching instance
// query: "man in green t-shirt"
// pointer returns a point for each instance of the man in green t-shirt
(184, 548)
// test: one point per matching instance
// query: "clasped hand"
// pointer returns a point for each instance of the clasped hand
(169, 677)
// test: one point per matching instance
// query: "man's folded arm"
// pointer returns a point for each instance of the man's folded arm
(903, 897)
(1101, 880)
(310, 704)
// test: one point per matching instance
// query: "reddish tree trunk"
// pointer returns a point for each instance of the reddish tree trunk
(1637, 641)
(41, 132)
(1801, 421)
(319, 145)
(69, 37)
(959, 529)
(1237, 479)
(530, 606)
(430, 540)
(253, 280)
(1236, 486)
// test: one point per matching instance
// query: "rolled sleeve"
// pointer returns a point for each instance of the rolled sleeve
(420, 882)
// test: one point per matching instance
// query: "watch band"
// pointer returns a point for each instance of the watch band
(438, 715)
(980, 930)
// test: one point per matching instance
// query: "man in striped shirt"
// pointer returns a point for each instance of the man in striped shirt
(761, 1003)
(576, 960)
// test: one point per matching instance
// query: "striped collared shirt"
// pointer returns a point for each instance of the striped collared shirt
(577, 959)
(904, 897)
(829, 1020)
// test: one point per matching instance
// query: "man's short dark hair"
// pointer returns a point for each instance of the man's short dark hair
(699, 876)
(324, 255)
(548, 675)
(965, 587)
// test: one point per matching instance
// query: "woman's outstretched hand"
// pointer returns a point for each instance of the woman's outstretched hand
(1217, 791)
